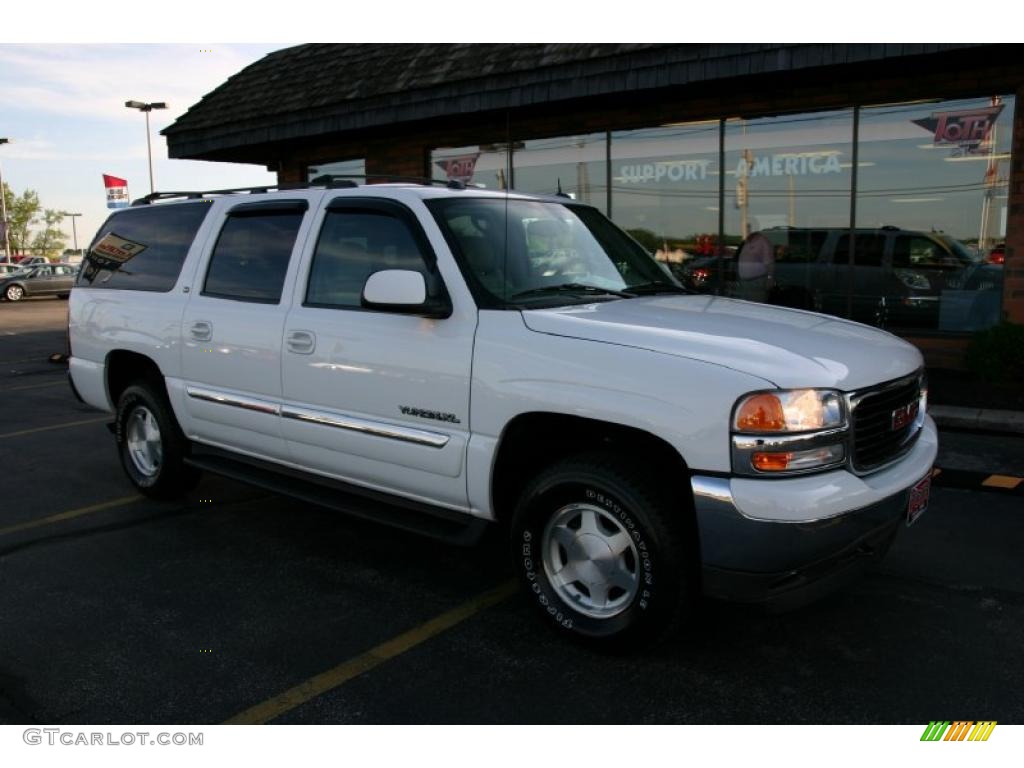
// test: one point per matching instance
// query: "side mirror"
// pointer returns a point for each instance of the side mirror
(403, 291)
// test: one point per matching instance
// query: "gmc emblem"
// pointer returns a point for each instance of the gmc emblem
(904, 415)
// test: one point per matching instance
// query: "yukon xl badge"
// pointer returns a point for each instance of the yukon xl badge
(422, 413)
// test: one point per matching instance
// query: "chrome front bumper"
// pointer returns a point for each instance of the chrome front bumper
(787, 542)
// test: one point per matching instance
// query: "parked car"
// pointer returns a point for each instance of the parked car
(10, 269)
(447, 359)
(899, 279)
(30, 261)
(39, 280)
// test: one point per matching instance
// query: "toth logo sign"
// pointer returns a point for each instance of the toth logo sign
(965, 129)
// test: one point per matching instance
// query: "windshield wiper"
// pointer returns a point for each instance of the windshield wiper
(571, 288)
(656, 287)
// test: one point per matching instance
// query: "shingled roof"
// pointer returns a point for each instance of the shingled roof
(317, 89)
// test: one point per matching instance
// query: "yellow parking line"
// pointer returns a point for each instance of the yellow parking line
(21, 432)
(341, 674)
(70, 514)
(35, 386)
(1002, 481)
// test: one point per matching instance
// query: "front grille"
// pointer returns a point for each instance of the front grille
(875, 442)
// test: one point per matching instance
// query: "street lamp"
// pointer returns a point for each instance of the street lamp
(147, 108)
(3, 213)
(74, 229)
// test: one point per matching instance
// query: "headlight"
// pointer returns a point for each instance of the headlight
(786, 432)
(912, 279)
(794, 410)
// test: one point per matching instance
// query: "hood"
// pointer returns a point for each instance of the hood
(787, 347)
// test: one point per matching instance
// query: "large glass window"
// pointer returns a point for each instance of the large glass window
(935, 175)
(143, 248)
(929, 219)
(787, 190)
(487, 165)
(665, 193)
(576, 165)
(251, 256)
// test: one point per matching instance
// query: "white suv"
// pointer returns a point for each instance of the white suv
(444, 359)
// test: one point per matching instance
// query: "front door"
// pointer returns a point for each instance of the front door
(376, 398)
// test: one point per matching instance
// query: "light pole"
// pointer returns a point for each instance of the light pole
(3, 213)
(147, 108)
(74, 229)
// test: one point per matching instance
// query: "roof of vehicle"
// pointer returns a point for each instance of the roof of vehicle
(427, 190)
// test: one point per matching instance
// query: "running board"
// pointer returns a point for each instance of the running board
(405, 514)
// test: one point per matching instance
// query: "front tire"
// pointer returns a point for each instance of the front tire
(151, 445)
(14, 293)
(604, 551)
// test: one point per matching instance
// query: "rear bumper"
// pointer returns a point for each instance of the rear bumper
(785, 543)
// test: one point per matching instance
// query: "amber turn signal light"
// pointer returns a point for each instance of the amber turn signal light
(761, 413)
(771, 462)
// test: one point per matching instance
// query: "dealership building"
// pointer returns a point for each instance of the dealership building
(880, 182)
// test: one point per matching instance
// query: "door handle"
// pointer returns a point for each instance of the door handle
(201, 330)
(301, 342)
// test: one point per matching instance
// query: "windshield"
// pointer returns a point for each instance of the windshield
(525, 252)
(961, 251)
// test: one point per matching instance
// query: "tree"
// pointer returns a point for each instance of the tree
(22, 215)
(51, 241)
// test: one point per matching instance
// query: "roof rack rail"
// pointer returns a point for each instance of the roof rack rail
(329, 181)
(336, 180)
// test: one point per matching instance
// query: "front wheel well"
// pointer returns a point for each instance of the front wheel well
(533, 441)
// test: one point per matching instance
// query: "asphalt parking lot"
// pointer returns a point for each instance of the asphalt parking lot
(238, 604)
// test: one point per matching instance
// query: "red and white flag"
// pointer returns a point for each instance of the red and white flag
(117, 192)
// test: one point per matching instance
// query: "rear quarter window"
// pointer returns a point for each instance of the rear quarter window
(159, 238)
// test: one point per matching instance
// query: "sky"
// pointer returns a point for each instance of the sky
(62, 97)
(62, 107)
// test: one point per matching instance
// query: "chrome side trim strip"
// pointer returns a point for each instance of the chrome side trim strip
(236, 401)
(379, 429)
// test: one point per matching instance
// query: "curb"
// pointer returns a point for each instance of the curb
(978, 419)
(977, 481)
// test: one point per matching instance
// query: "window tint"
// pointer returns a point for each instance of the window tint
(917, 251)
(160, 236)
(867, 253)
(251, 256)
(352, 246)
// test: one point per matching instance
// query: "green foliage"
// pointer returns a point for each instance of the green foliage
(22, 215)
(51, 240)
(997, 354)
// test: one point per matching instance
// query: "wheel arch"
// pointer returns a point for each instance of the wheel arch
(123, 367)
(533, 440)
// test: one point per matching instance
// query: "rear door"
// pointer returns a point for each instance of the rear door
(64, 278)
(233, 322)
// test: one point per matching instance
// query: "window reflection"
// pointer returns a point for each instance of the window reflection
(665, 194)
(937, 173)
(574, 165)
(485, 165)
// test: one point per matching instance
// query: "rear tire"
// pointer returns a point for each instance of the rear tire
(151, 445)
(605, 552)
